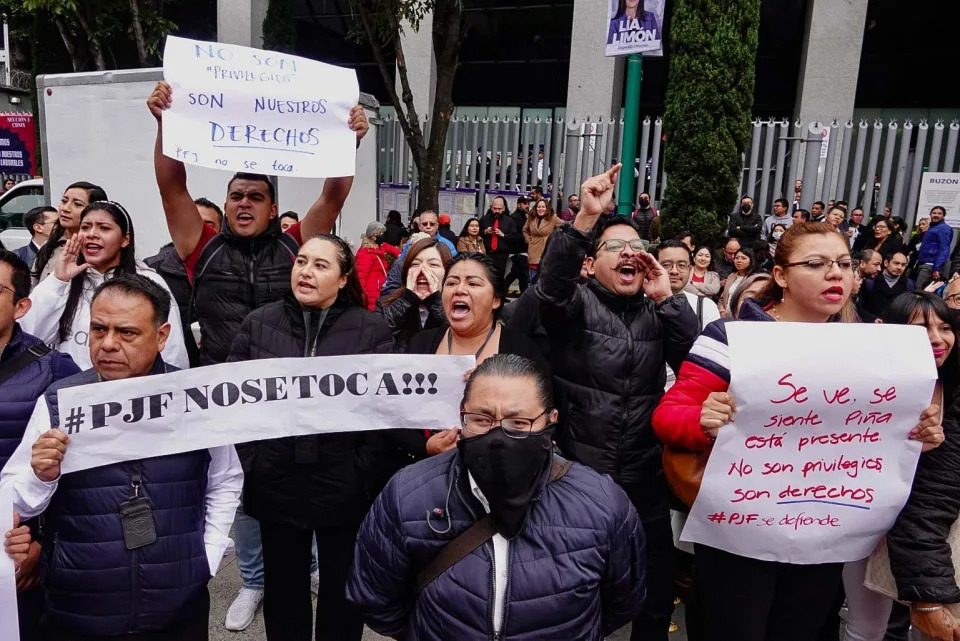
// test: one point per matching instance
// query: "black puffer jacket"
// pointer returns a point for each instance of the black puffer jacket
(920, 556)
(338, 488)
(608, 354)
(403, 315)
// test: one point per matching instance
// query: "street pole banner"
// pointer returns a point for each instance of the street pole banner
(241, 109)
(18, 144)
(234, 403)
(636, 26)
(943, 190)
(818, 462)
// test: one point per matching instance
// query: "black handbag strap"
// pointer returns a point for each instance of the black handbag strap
(699, 314)
(475, 536)
(14, 365)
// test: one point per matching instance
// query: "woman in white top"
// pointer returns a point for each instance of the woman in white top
(102, 248)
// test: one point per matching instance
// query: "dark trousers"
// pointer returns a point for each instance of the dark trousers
(519, 271)
(196, 628)
(500, 260)
(287, 601)
(653, 622)
(752, 600)
(898, 625)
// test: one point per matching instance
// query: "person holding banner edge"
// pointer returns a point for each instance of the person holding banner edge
(319, 485)
(750, 599)
(165, 520)
(252, 249)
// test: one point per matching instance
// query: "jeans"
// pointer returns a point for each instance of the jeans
(250, 550)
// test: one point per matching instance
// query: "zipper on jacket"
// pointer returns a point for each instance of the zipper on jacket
(506, 592)
(624, 398)
(493, 572)
(251, 278)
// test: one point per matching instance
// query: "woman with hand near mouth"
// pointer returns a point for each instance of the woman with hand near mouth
(102, 248)
(75, 198)
(472, 298)
(320, 485)
(811, 283)
(417, 306)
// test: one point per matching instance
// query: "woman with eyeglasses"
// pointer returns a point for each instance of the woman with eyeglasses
(744, 598)
(472, 297)
(561, 549)
(744, 264)
(703, 281)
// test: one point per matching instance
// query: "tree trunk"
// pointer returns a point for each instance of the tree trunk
(76, 60)
(96, 47)
(138, 34)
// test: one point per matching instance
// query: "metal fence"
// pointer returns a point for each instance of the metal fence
(865, 164)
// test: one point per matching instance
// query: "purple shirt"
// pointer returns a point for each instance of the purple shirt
(648, 22)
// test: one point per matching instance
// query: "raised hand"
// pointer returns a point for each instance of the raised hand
(160, 100)
(442, 442)
(656, 281)
(412, 276)
(67, 268)
(596, 196)
(358, 122)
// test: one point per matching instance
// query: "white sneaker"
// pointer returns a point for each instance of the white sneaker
(243, 609)
(315, 582)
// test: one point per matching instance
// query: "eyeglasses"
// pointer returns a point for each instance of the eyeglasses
(514, 427)
(4, 288)
(822, 266)
(670, 265)
(953, 300)
(617, 245)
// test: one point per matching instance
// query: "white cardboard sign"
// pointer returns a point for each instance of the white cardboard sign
(241, 109)
(818, 462)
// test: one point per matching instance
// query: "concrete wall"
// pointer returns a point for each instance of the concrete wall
(595, 82)
(240, 22)
(421, 65)
(6, 93)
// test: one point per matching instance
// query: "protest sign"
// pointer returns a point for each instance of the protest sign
(818, 462)
(939, 189)
(242, 109)
(9, 626)
(18, 144)
(635, 27)
(234, 403)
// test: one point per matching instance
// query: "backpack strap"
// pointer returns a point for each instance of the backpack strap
(474, 536)
(30, 355)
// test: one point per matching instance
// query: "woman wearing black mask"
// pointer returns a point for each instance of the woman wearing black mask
(306, 486)
(561, 552)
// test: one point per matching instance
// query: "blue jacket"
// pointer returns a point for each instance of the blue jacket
(575, 572)
(19, 393)
(935, 247)
(95, 586)
(28, 253)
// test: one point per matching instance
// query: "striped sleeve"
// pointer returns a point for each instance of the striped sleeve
(676, 420)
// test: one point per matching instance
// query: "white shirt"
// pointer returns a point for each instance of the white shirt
(501, 562)
(710, 313)
(31, 496)
(49, 299)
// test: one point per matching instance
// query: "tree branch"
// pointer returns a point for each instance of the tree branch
(75, 60)
(95, 45)
(138, 33)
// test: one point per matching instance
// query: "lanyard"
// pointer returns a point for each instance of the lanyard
(479, 351)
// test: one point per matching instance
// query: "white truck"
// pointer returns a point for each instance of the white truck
(96, 127)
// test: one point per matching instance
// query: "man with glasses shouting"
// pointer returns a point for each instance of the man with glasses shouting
(500, 538)
(610, 339)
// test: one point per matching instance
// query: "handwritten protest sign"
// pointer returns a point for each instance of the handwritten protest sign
(9, 627)
(635, 30)
(818, 462)
(242, 109)
(239, 402)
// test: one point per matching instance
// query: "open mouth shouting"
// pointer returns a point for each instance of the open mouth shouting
(305, 287)
(628, 270)
(92, 250)
(459, 310)
(833, 294)
(245, 219)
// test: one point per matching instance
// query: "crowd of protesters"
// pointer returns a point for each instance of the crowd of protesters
(545, 514)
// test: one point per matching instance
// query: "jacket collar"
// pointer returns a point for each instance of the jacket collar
(15, 345)
(613, 301)
(751, 310)
(255, 244)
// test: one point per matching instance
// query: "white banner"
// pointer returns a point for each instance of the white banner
(233, 403)
(242, 109)
(635, 27)
(818, 462)
(9, 625)
(940, 189)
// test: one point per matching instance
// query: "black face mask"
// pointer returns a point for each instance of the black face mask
(379, 239)
(746, 209)
(508, 472)
(644, 202)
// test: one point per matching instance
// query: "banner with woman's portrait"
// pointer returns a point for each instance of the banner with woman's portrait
(636, 26)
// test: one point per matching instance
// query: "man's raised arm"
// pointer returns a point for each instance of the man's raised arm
(323, 213)
(183, 218)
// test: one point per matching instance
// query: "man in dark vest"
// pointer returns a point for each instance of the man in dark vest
(27, 368)
(104, 578)
(234, 272)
